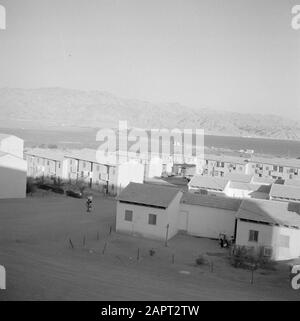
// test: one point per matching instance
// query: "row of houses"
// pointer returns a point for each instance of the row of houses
(160, 212)
(246, 186)
(270, 168)
(83, 166)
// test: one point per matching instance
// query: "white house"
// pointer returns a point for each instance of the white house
(271, 227)
(148, 210)
(12, 167)
(11, 144)
(207, 216)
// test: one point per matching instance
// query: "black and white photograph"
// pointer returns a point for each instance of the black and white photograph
(149, 152)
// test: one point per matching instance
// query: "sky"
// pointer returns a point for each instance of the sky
(233, 55)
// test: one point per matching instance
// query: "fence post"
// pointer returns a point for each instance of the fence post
(104, 248)
(70, 241)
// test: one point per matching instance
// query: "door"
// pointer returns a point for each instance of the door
(183, 220)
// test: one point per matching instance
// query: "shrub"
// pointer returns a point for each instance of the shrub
(200, 260)
(30, 186)
(243, 257)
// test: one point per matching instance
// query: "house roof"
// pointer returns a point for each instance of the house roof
(226, 158)
(148, 195)
(208, 182)
(250, 187)
(279, 161)
(86, 154)
(3, 136)
(285, 191)
(267, 211)
(262, 180)
(236, 177)
(55, 155)
(226, 203)
(292, 182)
(158, 181)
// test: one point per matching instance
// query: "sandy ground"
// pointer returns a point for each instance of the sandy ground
(35, 249)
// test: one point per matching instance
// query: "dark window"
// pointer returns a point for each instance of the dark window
(280, 169)
(152, 219)
(253, 236)
(128, 215)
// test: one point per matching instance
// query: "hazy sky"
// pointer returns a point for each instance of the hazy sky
(237, 55)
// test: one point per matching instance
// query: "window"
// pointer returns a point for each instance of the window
(275, 168)
(280, 169)
(84, 164)
(253, 236)
(284, 241)
(152, 219)
(128, 215)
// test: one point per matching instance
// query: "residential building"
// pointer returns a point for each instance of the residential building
(208, 216)
(247, 190)
(46, 164)
(11, 144)
(208, 185)
(269, 226)
(148, 210)
(12, 167)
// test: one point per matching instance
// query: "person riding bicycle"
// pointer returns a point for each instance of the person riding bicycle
(89, 203)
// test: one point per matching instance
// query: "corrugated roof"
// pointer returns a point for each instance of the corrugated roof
(148, 194)
(227, 203)
(285, 191)
(267, 211)
(236, 177)
(208, 182)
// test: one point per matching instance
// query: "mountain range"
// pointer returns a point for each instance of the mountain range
(61, 107)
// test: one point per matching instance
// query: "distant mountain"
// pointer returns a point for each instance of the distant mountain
(67, 107)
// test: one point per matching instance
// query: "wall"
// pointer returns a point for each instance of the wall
(129, 172)
(13, 172)
(173, 215)
(139, 225)
(269, 236)
(12, 145)
(208, 222)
